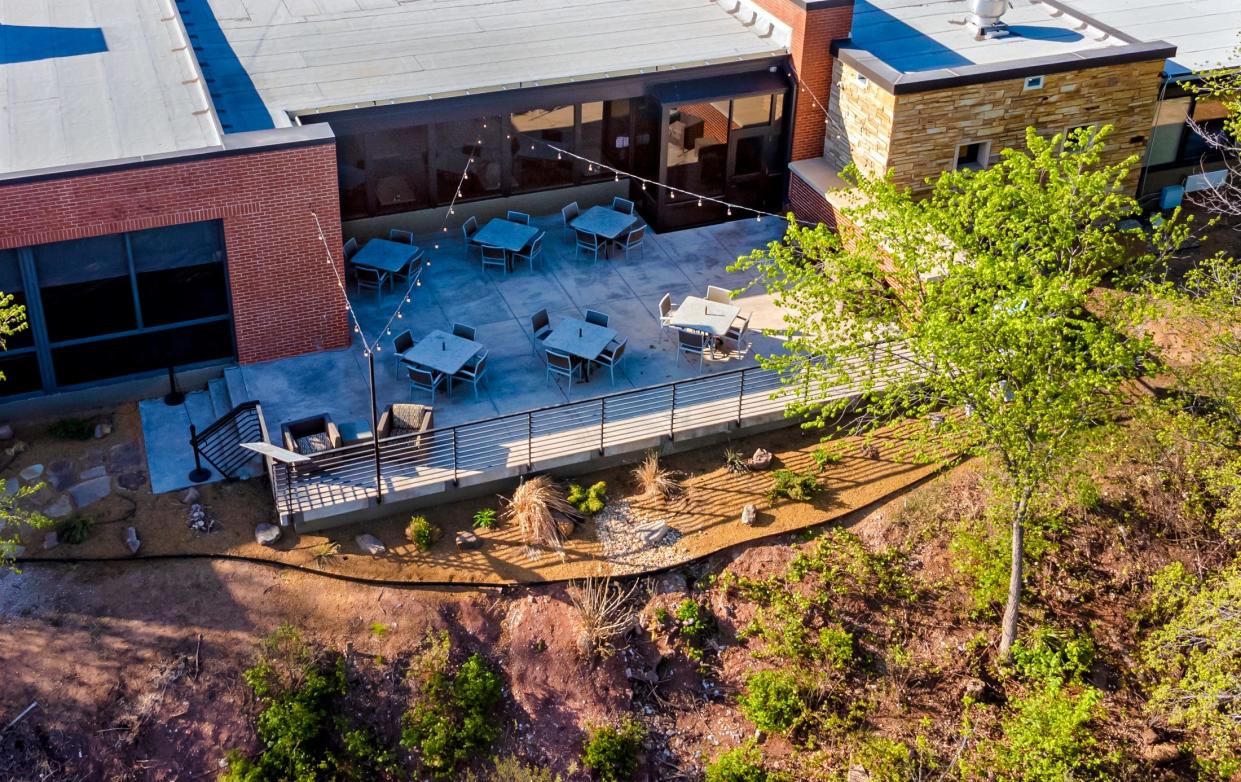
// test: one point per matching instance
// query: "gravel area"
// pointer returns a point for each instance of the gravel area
(619, 529)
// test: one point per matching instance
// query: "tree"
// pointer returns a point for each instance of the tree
(975, 310)
(1222, 85)
(12, 513)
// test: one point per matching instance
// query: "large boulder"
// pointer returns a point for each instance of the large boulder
(267, 534)
(371, 545)
(90, 491)
(468, 541)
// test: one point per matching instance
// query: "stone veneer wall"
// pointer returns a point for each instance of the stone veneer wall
(917, 134)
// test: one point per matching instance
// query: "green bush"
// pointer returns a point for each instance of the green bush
(74, 530)
(72, 429)
(486, 518)
(795, 486)
(824, 458)
(589, 501)
(889, 760)
(421, 532)
(694, 620)
(510, 769)
(612, 752)
(451, 719)
(774, 701)
(1046, 654)
(741, 764)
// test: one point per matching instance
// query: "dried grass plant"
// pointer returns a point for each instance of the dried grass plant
(531, 508)
(606, 611)
(654, 481)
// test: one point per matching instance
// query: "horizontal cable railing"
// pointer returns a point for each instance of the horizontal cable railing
(424, 462)
(220, 443)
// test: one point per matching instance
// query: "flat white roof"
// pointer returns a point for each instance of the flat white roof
(88, 81)
(306, 55)
(1206, 33)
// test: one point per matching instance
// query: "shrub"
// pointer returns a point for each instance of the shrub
(421, 532)
(1047, 654)
(889, 760)
(774, 700)
(741, 764)
(693, 619)
(791, 485)
(510, 769)
(452, 718)
(532, 507)
(653, 480)
(589, 501)
(823, 458)
(612, 752)
(735, 461)
(74, 530)
(982, 558)
(485, 518)
(71, 429)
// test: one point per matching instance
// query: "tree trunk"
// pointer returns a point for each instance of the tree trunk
(1008, 629)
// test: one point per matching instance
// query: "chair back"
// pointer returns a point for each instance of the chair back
(369, 276)
(463, 331)
(691, 340)
(540, 321)
(479, 366)
(397, 235)
(422, 378)
(586, 239)
(616, 352)
(535, 247)
(351, 248)
(596, 317)
(718, 294)
(493, 254)
(665, 305)
(622, 205)
(559, 362)
(403, 342)
(469, 228)
(570, 213)
(518, 217)
(635, 236)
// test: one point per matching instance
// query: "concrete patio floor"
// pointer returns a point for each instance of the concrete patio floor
(456, 289)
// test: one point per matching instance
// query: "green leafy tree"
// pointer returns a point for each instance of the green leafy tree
(980, 299)
(1222, 85)
(12, 512)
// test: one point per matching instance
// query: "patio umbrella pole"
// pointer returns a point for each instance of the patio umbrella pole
(379, 494)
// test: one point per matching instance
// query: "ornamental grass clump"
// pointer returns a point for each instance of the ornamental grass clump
(654, 481)
(532, 507)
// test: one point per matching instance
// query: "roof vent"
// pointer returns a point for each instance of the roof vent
(984, 18)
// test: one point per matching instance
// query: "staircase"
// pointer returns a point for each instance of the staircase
(226, 417)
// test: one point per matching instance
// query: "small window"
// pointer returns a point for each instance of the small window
(1079, 137)
(1034, 83)
(974, 156)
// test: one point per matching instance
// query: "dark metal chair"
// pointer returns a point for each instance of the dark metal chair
(540, 327)
(562, 365)
(518, 217)
(597, 318)
(423, 379)
(474, 371)
(570, 213)
(622, 205)
(588, 243)
(371, 278)
(530, 251)
(464, 331)
(310, 435)
(494, 256)
(612, 356)
(693, 343)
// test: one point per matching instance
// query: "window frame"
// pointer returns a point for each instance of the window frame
(984, 146)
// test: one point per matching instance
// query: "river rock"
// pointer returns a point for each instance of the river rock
(189, 496)
(123, 457)
(468, 541)
(12, 486)
(32, 473)
(103, 426)
(371, 545)
(6, 432)
(266, 534)
(869, 451)
(761, 459)
(653, 532)
(131, 540)
(50, 541)
(60, 508)
(93, 472)
(61, 474)
(90, 491)
(749, 515)
(132, 481)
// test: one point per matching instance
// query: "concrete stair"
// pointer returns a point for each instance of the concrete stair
(221, 400)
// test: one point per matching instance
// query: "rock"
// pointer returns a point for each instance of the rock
(13, 450)
(749, 515)
(11, 550)
(93, 472)
(857, 774)
(565, 526)
(869, 451)
(43, 497)
(371, 545)
(50, 541)
(90, 491)
(468, 541)
(124, 457)
(6, 431)
(131, 540)
(60, 508)
(132, 481)
(32, 473)
(1162, 753)
(653, 532)
(103, 426)
(761, 459)
(61, 474)
(671, 584)
(198, 518)
(266, 534)
(189, 496)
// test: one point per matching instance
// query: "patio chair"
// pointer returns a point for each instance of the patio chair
(401, 343)
(468, 229)
(402, 419)
(423, 379)
(371, 278)
(634, 240)
(562, 365)
(596, 317)
(474, 371)
(518, 217)
(665, 315)
(350, 250)
(464, 331)
(731, 341)
(718, 294)
(693, 343)
(397, 235)
(310, 435)
(540, 327)
(622, 205)
(570, 213)
(612, 356)
(494, 256)
(588, 243)
(531, 251)
(407, 272)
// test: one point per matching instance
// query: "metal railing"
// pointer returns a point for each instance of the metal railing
(423, 463)
(220, 443)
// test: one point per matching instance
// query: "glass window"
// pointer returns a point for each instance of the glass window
(180, 273)
(1165, 140)
(12, 284)
(606, 132)
(752, 112)
(697, 148)
(351, 171)
(99, 360)
(396, 169)
(974, 156)
(535, 165)
(21, 373)
(457, 142)
(85, 287)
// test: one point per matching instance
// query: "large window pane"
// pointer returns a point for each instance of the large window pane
(396, 167)
(535, 166)
(612, 131)
(351, 171)
(149, 352)
(457, 142)
(697, 148)
(85, 287)
(180, 273)
(176, 246)
(1165, 140)
(751, 112)
(21, 374)
(11, 283)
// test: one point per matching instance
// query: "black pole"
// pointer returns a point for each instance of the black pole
(199, 473)
(174, 396)
(379, 494)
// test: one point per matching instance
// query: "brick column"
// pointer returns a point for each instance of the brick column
(815, 24)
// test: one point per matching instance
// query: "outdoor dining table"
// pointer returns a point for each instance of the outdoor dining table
(699, 314)
(580, 339)
(605, 222)
(442, 352)
(385, 256)
(511, 236)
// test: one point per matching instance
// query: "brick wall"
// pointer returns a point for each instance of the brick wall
(810, 205)
(813, 33)
(285, 298)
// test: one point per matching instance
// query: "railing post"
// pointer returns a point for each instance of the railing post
(288, 489)
(455, 479)
(603, 414)
(740, 398)
(529, 442)
(199, 473)
(672, 416)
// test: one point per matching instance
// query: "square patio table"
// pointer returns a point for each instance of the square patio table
(579, 339)
(605, 222)
(699, 314)
(385, 256)
(511, 236)
(441, 351)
